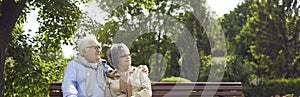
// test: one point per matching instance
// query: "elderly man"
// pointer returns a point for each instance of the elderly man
(85, 74)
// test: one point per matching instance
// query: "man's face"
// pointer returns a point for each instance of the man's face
(93, 52)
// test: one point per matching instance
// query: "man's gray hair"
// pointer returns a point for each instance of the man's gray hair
(85, 42)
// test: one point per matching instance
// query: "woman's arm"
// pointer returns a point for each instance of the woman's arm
(107, 88)
(146, 84)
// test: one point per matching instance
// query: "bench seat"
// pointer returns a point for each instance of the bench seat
(181, 89)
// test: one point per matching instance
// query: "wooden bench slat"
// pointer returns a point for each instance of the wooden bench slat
(173, 89)
(56, 83)
(196, 83)
(180, 93)
(55, 87)
(52, 94)
(163, 88)
(55, 90)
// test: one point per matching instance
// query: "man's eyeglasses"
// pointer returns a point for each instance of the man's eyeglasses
(95, 47)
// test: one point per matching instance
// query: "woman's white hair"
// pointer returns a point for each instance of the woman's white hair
(113, 54)
(85, 42)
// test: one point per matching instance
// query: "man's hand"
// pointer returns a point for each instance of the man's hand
(144, 69)
(112, 74)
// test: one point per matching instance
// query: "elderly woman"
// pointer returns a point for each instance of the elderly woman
(126, 80)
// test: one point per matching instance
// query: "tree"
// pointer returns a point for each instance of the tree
(10, 12)
(159, 23)
(28, 65)
(238, 67)
(272, 36)
(232, 24)
(263, 37)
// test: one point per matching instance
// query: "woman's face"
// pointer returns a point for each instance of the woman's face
(125, 58)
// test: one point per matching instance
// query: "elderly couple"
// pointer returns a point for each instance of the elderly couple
(87, 76)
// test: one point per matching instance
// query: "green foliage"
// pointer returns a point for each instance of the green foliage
(26, 73)
(58, 20)
(232, 24)
(269, 88)
(238, 66)
(175, 79)
(34, 80)
(238, 70)
(263, 38)
(273, 47)
(165, 24)
(205, 67)
(33, 62)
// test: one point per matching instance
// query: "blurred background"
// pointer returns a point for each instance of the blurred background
(255, 42)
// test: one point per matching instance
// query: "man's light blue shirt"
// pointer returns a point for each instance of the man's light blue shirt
(74, 82)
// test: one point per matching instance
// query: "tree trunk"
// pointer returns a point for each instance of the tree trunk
(10, 11)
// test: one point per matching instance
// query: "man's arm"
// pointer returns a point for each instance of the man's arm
(69, 83)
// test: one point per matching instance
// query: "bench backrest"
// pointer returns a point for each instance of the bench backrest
(55, 90)
(173, 89)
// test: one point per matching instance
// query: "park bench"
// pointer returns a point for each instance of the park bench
(181, 89)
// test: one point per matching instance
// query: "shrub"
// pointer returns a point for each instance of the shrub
(175, 79)
(274, 87)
